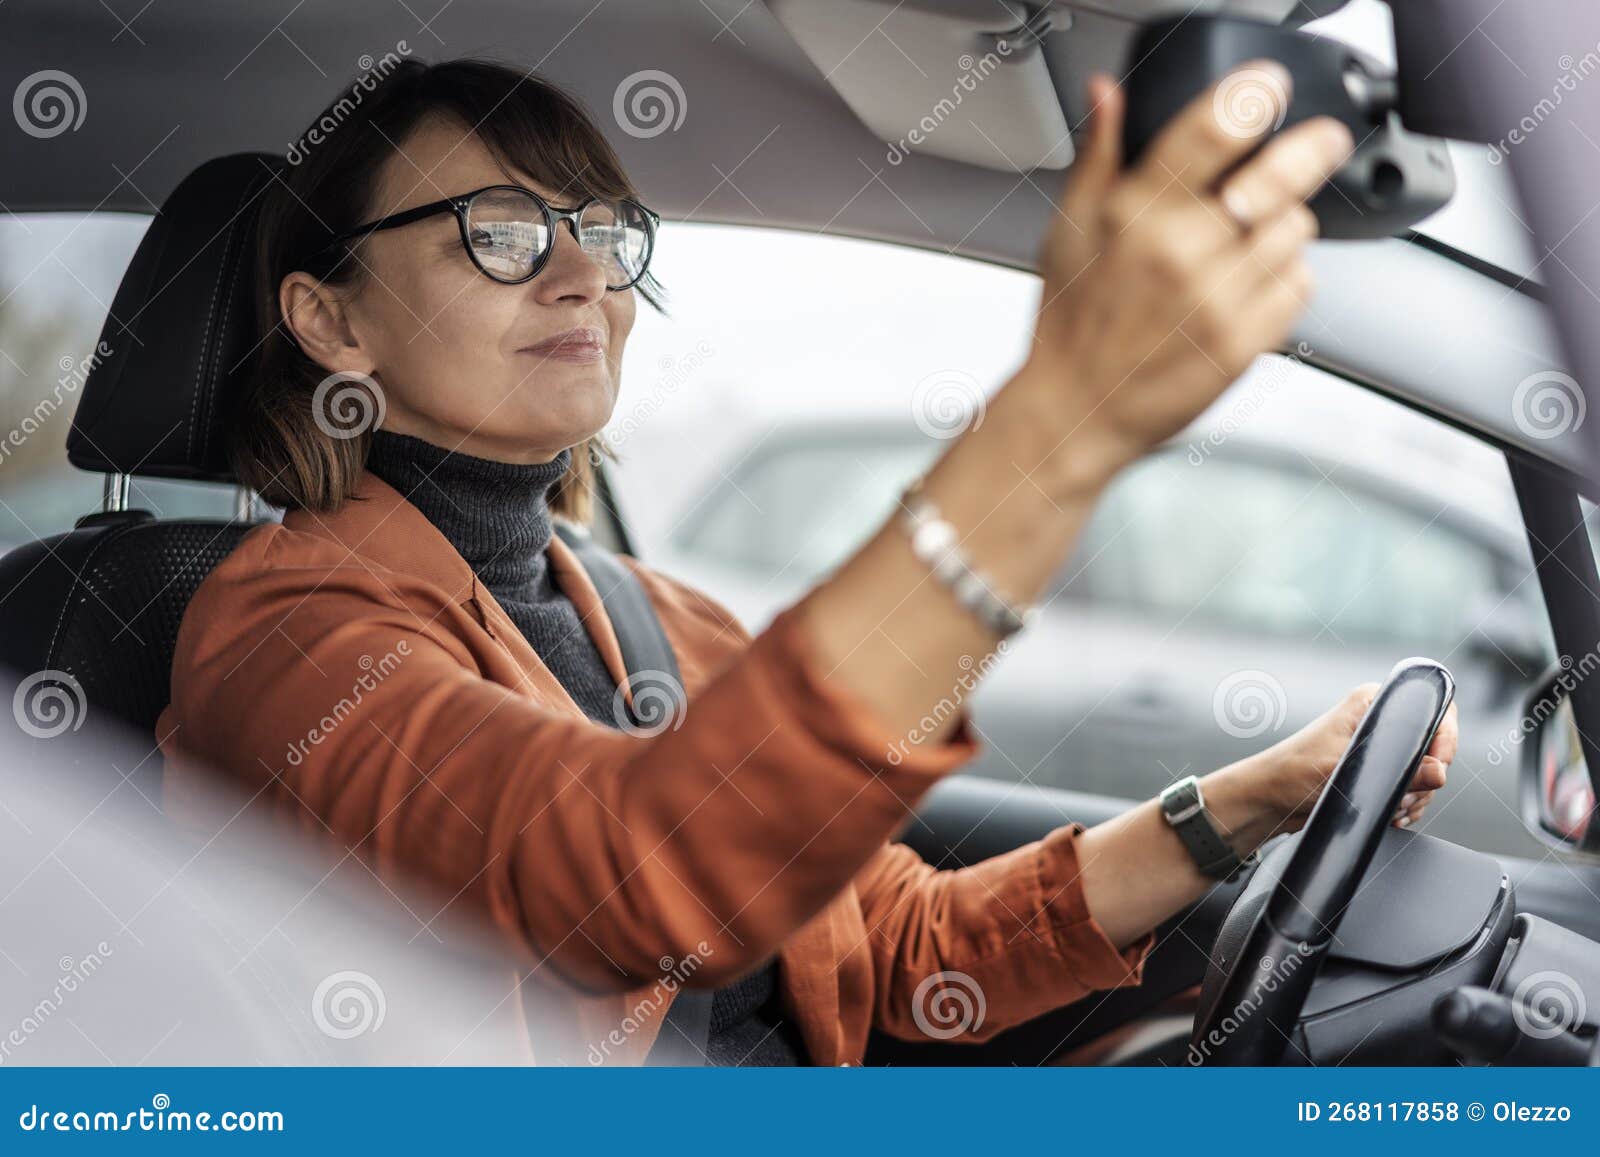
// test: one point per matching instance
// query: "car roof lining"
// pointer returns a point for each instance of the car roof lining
(186, 80)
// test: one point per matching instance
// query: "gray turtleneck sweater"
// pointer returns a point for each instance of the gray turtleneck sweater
(497, 515)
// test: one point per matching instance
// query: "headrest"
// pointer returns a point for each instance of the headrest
(177, 345)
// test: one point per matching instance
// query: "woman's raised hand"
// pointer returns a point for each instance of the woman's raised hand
(1163, 281)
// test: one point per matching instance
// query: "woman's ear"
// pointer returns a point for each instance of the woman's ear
(315, 317)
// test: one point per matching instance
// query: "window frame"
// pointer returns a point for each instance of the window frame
(1564, 560)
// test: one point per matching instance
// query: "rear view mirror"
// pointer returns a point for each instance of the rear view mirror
(1556, 791)
(1394, 178)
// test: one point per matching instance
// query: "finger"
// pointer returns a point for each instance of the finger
(1099, 164)
(1219, 127)
(1278, 244)
(1412, 802)
(1288, 170)
(1448, 737)
(1432, 774)
(1410, 813)
(1268, 314)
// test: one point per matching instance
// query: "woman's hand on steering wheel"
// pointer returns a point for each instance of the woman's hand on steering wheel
(1295, 771)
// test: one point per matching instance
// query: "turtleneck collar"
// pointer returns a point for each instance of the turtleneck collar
(496, 514)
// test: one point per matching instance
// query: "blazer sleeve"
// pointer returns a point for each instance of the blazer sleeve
(350, 700)
(962, 954)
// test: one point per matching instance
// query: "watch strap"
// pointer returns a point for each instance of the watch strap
(1185, 811)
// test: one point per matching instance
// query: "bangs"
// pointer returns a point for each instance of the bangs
(530, 126)
(555, 143)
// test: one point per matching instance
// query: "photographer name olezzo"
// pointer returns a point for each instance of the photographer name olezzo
(1426, 1112)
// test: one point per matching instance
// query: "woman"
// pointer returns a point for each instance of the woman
(412, 662)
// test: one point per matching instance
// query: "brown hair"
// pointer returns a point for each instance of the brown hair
(282, 446)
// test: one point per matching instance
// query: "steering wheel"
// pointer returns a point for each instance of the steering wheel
(1275, 938)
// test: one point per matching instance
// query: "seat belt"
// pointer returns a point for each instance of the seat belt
(643, 641)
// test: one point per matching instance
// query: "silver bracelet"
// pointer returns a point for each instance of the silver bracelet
(936, 544)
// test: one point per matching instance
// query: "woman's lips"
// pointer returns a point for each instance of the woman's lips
(582, 344)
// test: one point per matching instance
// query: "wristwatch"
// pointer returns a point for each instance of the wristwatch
(1185, 809)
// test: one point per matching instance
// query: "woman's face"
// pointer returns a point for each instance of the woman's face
(463, 361)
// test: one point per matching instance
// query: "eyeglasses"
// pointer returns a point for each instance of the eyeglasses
(509, 232)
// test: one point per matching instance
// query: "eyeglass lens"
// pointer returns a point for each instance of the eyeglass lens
(510, 234)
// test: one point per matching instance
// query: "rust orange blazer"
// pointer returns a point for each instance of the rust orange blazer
(351, 669)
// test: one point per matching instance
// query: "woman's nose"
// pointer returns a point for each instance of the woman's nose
(570, 272)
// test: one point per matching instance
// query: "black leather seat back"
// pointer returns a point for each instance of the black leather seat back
(102, 604)
(89, 618)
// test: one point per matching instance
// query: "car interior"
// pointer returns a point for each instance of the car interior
(1362, 944)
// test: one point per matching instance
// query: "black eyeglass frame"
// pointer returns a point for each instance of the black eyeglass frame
(553, 216)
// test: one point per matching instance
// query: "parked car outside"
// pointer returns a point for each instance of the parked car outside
(1225, 592)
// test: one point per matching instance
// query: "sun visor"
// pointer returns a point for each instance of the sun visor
(971, 80)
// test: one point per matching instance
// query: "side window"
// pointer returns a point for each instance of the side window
(58, 275)
(849, 348)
